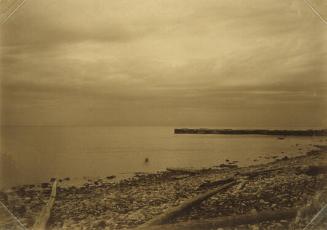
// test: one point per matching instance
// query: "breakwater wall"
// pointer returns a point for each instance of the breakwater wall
(308, 132)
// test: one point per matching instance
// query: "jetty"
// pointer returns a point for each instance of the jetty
(276, 132)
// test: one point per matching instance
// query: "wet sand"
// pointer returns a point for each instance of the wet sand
(109, 203)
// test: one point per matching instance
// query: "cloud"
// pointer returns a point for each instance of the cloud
(211, 58)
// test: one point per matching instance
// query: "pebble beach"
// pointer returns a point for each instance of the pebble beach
(108, 203)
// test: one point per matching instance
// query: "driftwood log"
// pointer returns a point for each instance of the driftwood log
(228, 221)
(42, 220)
(177, 211)
(185, 170)
(313, 170)
(211, 184)
(318, 219)
(260, 172)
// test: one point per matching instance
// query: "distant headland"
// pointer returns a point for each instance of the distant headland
(307, 132)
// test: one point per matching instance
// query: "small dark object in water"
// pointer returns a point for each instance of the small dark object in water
(67, 178)
(146, 160)
(281, 138)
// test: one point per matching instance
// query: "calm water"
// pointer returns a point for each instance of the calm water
(34, 154)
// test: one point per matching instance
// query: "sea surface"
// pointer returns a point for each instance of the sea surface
(35, 154)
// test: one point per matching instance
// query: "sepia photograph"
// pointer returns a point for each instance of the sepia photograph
(163, 114)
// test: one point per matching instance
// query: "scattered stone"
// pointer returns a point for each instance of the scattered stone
(111, 177)
(100, 204)
(45, 185)
(231, 166)
(19, 210)
(253, 211)
(100, 224)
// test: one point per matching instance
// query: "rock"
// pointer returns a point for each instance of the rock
(19, 209)
(254, 227)
(111, 177)
(253, 211)
(21, 192)
(45, 185)
(314, 170)
(231, 166)
(284, 158)
(3, 197)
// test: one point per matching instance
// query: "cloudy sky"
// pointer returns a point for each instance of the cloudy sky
(215, 63)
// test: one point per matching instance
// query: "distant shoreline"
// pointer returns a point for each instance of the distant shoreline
(308, 132)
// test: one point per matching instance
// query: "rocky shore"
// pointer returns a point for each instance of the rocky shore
(284, 184)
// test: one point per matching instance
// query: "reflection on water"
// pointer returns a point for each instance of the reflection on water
(34, 154)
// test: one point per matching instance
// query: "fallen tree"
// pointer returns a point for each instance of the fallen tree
(210, 184)
(190, 171)
(177, 211)
(313, 170)
(228, 221)
(260, 172)
(42, 220)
